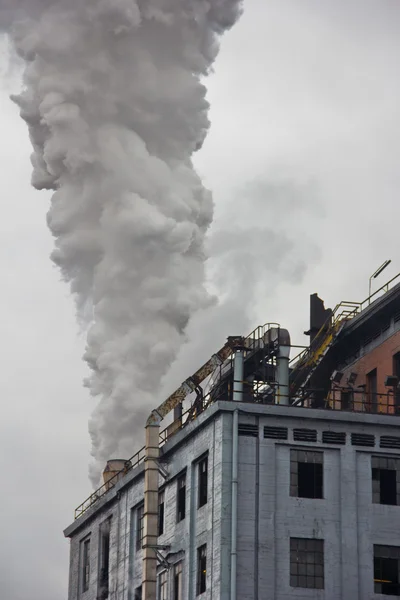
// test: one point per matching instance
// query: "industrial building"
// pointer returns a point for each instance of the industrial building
(278, 478)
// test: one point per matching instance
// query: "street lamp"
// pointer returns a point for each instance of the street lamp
(375, 275)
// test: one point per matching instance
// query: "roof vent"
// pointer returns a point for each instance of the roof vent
(276, 433)
(248, 429)
(362, 439)
(390, 441)
(305, 435)
(333, 437)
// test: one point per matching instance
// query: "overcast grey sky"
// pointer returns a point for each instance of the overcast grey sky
(302, 158)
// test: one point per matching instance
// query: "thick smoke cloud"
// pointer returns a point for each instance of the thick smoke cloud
(115, 109)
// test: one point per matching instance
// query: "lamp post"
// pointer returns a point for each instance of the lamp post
(375, 275)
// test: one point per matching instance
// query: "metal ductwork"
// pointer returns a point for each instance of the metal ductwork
(280, 339)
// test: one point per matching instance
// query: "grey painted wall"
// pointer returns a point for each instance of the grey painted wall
(268, 516)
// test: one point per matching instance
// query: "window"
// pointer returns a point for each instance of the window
(201, 569)
(346, 400)
(202, 480)
(177, 573)
(161, 497)
(138, 593)
(104, 562)
(139, 526)
(163, 586)
(85, 568)
(372, 389)
(386, 570)
(181, 499)
(307, 563)
(306, 473)
(385, 482)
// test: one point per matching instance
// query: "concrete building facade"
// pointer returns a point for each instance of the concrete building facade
(311, 509)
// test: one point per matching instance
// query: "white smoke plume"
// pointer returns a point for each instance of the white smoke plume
(115, 107)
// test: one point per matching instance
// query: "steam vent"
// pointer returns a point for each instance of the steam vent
(276, 477)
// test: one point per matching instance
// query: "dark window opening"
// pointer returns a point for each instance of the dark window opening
(201, 569)
(386, 570)
(138, 593)
(181, 500)
(202, 479)
(177, 581)
(372, 389)
(161, 513)
(86, 566)
(139, 526)
(346, 400)
(384, 480)
(307, 563)
(306, 474)
(104, 560)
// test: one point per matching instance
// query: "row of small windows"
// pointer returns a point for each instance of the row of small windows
(202, 496)
(306, 569)
(328, 437)
(307, 476)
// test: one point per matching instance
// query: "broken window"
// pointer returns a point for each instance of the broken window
(385, 481)
(306, 473)
(181, 498)
(307, 563)
(177, 581)
(202, 481)
(104, 560)
(201, 569)
(85, 564)
(139, 526)
(161, 497)
(163, 586)
(138, 593)
(386, 570)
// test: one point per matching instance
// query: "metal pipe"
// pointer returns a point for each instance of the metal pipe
(238, 368)
(235, 444)
(150, 514)
(282, 375)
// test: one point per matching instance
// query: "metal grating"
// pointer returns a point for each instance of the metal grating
(389, 441)
(397, 317)
(333, 437)
(276, 433)
(362, 439)
(305, 435)
(248, 429)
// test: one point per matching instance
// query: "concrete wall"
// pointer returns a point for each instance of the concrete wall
(345, 518)
(267, 515)
(200, 526)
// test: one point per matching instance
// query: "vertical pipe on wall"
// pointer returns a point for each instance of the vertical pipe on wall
(235, 440)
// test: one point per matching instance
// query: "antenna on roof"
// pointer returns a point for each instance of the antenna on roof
(375, 275)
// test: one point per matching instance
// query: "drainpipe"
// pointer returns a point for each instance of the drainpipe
(237, 397)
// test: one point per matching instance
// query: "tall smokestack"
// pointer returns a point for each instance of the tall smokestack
(115, 110)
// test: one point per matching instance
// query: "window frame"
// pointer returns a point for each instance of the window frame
(180, 497)
(306, 456)
(85, 564)
(202, 481)
(390, 553)
(161, 512)
(201, 570)
(139, 518)
(177, 574)
(104, 559)
(379, 464)
(307, 563)
(162, 585)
